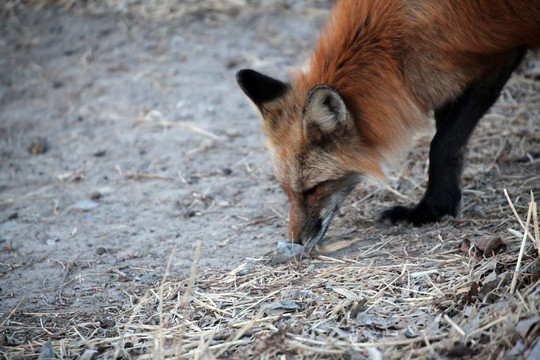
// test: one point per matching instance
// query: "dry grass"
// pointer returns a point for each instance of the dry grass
(378, 303)
(382, 302)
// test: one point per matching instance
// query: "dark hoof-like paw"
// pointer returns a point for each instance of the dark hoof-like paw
(417, 216)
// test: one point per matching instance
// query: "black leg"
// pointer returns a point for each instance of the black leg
(455, 122)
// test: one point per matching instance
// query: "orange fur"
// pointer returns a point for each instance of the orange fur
(392, 62)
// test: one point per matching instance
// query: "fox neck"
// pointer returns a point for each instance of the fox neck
(360, 59)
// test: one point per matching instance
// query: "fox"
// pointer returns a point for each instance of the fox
(381, 70)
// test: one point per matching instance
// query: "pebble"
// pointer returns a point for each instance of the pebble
(85, 205)
(47, 352)
(40, 146)
(95, 195)
(226, 171)
(250, 267)
(107, 190)
(146, 278)
(286, 252)
(282, 306)
(107, 322)
(89, 355)
(303, 295)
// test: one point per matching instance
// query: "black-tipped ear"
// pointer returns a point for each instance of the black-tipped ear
(325, 112)
(260, 88)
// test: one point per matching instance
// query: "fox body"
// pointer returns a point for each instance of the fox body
(379, 70)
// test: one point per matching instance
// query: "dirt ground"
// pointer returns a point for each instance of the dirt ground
(112, 98)
(123, 138)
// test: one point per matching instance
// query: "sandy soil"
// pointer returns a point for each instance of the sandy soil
(149, 143)
(150, 146)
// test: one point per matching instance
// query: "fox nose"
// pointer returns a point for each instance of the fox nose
(303, 229)
(296, 223)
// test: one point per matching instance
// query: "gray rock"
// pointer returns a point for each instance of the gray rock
(286, 252)
(282, 306)
(47, 352)
(85, 205)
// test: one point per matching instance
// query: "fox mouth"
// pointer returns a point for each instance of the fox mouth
(317, 219)
(320, 229)
(315, 234)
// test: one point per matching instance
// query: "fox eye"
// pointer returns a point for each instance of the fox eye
(311, 190)
(315, 188)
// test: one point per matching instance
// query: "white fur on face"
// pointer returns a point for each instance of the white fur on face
(325, 109)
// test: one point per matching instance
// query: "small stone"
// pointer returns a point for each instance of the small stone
(40, 146)
(52, 242)
(285, 304)
(286, 252)
(226, 171)
(95, 195)
(282, 306)
(232, 63)
(85, 205)
(47, 352)
(154, 320)
(250, 267)
(524, 326)
(409, 334)
(107, 322)
(13, 215)
(147, 278)
(106, 190)
(303, 295)
(70, 52)
(100, 153)
(100, 251)
(89, 355)
(479, 211)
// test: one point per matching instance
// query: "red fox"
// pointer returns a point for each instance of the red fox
(378, 71)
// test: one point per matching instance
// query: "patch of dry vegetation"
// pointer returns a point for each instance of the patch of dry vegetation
(444, 302)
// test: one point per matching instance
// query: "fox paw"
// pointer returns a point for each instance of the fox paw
(430, 209)
(402, 214)
(417, 216)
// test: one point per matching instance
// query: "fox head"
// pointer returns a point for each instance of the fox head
(315, 151)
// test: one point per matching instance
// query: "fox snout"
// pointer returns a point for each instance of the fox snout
(308, 230)
(312, 211)
(305, 227)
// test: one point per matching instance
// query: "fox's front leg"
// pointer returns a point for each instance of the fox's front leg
(455, 122)
(443, 194)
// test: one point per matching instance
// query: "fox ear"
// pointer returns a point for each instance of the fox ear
(325, 112)
(260, 88)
